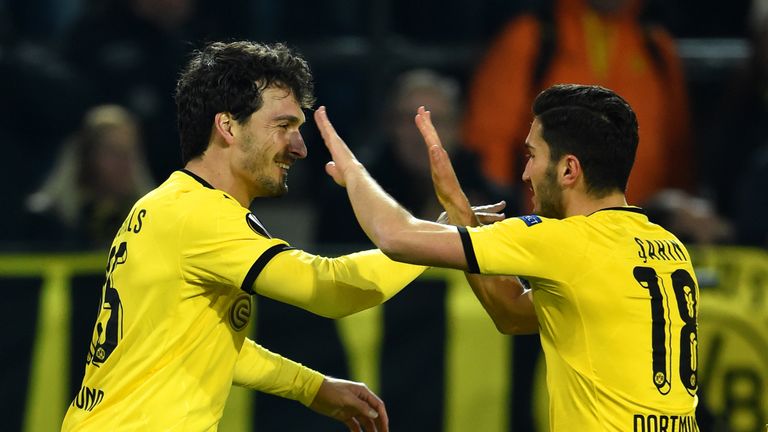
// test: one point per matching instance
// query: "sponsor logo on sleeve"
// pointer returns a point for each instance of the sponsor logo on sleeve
(530, 220)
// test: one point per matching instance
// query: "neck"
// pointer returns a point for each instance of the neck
(220, 178)
(585, 205)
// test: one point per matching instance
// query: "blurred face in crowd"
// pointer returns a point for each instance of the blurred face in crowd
(540, 174)
(113, 161)
(268, 143)
(409, 146)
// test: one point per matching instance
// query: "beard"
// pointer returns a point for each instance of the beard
(271, 187)
(550, 196)
(261, 168)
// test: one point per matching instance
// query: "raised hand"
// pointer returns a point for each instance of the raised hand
(342, 156)
(447, 187)
(353, 404)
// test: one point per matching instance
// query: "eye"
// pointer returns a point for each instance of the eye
(284, 126)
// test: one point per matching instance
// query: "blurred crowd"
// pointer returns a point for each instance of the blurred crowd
(88, 118)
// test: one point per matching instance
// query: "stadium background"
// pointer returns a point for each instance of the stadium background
(437, 370)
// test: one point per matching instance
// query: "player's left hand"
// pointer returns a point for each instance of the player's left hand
(343, 158)
(485, 214)
(351, 403)
(447, 187)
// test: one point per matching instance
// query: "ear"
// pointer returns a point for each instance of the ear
(570, 170)
(223, 124)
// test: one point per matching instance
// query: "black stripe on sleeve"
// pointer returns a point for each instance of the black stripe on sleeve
(259, 265)
(469, 251)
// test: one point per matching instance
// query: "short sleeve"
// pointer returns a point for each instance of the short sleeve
(221, 246)
(529, 246)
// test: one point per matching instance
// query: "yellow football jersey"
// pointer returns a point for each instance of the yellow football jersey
(170, 336)
(617, 304)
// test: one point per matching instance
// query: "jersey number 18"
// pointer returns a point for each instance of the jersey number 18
(684, 289)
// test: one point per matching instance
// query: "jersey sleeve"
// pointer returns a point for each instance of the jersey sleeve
(334, 287)
(219, 247)
(528, 246)
(259, 369)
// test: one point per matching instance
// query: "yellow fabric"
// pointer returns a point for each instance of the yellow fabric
(592, 279)
(169, 339)
(260, 369)
(334, 287)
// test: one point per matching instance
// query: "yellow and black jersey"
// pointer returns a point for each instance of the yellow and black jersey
(170, 335)
(617, 304)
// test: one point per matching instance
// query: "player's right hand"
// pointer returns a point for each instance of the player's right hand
(343, 158)
(351, 403)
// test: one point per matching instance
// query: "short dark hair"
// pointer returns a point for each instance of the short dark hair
(594, 124)
(230, 77)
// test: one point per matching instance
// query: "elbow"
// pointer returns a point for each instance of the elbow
(334, 313)
(389, 243)
(516, 327)
(394, 236)
(336, 309)
(506, 327)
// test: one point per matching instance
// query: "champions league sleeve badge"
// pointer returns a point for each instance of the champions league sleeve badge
(530, 220)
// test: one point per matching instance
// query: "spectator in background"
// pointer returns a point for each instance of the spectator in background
(396, 158)
(130, 52)
(98, 176)
(691, 219)
(602, 42)
(415, 320)
(739, 143)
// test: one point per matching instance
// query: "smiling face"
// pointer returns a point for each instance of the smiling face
(268, 143)
(541, 174)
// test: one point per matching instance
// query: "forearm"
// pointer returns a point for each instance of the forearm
(260, 369)
(334, 287)
(396, 232)
(506, 301)
(503, 297)
(378, 214)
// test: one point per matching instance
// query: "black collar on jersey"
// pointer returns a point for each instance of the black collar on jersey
(198, 178)
(629, 209)
(250, 218)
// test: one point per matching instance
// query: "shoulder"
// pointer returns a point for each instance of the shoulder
(538, 228)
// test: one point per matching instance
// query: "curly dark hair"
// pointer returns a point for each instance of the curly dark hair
(594, 124)
(230, 77)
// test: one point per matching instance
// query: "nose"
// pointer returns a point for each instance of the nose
(296, 146)
(526, 175)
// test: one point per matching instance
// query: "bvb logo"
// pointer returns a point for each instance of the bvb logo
(659, 378)
(240, 312)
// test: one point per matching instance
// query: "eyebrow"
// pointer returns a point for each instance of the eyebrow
(292, 119)
(529, 146)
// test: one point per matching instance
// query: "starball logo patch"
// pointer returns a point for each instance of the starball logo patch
(240, 312)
